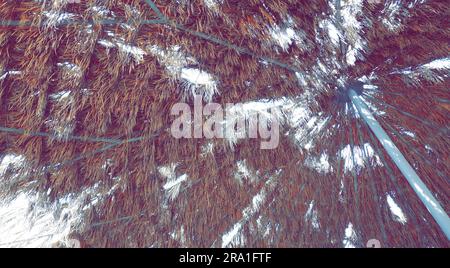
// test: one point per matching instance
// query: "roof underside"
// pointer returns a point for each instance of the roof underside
(86, 91)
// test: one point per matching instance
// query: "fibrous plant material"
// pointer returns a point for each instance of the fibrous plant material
(86, 90)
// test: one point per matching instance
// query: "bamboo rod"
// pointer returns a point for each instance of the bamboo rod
(411, 176)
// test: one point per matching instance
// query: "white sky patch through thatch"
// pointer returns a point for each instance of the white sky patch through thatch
(295, 113)
(443, 63)
(136, 53)
(320, 164)
(311, 216)
(199, 82)
(55, 17)
(396, 211)
(195, 81)
(284, 37)
(8, 73)
(173, 183)
(243, 172)
(359, 157)
(41, 227)
(61, 95)
(213, 5)
(349, 236)
(234, 236)
(352, 26)
(28, 219)
(10, 159)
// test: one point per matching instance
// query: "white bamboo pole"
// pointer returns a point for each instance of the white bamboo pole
(411, 176)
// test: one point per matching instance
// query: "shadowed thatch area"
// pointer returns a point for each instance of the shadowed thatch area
(87, 87)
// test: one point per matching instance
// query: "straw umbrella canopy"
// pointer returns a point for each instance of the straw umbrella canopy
(86, 92)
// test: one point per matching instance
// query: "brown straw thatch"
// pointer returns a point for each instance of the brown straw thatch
(87, 87)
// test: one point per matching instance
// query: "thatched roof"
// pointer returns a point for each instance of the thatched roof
(86, 91)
